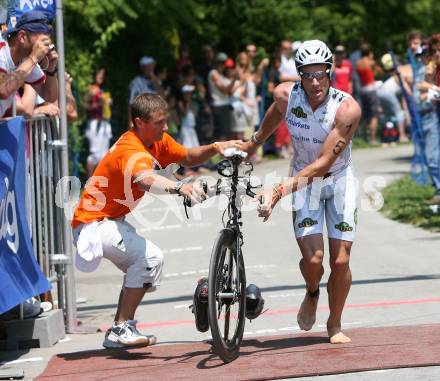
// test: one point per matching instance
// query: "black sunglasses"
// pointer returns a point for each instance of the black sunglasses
(315, 74)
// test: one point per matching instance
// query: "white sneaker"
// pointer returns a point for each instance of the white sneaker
(124, 335)
(152, 339)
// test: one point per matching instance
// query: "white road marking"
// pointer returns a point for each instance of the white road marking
(205, 271)
(30, 359)
(176, 226)
(266, 331)
(182, 249)
(289, 328)
(182, 306)
(170, 275)
(285, 295)
(161, 227)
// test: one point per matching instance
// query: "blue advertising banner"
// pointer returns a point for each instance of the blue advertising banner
(20, 275)
(17, 7)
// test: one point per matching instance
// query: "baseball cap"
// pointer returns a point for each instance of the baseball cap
(229, 63)
(32, 21)
(146, 60)
(221, 57)
(187, 88)
(339, 49)
(387, 61)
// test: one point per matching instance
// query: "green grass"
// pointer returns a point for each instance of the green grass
(406, 201)
(361, 143)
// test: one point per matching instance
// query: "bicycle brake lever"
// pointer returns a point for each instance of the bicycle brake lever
(186, 203)
(250, 193)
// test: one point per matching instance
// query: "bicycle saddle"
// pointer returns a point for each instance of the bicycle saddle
(230, 152)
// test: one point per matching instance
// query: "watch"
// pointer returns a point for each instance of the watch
(178, 186)
(52, 73)
(254, 138)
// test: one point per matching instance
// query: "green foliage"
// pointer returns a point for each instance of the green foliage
(406, 201)
(114, 33)
(76, 145)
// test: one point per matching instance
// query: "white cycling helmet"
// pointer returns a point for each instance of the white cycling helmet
(313, 52)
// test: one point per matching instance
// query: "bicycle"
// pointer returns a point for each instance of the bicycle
(227, 276)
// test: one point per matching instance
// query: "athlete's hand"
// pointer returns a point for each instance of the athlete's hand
(249, 147)
(270, 198)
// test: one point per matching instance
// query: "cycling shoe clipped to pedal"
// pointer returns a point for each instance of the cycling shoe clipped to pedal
(200, 305)
(254, 301)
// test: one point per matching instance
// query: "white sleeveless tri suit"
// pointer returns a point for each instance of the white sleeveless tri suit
(335, 194)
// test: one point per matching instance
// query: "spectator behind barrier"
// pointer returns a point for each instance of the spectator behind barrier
(28, 56)
(98, 129)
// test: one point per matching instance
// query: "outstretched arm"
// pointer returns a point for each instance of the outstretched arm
(272, 119)
(199, 155)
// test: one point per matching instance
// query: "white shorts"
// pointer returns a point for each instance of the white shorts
(139, 259)
(334, 196)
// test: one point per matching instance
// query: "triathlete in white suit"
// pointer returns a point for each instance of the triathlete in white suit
(322, 122)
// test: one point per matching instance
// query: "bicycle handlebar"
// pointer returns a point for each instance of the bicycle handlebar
(220, 188)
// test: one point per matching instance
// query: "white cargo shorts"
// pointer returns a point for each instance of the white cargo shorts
(334, 197)
(138, 258)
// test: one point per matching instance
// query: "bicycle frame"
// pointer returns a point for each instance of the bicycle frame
(234, 215)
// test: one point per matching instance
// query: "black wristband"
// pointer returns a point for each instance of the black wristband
(52, 73)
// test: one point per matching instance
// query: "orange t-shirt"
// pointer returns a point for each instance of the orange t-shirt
(111, 192)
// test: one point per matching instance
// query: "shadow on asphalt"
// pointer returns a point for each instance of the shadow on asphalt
(188, 298)
(209, 359)
(393, 173)
(402, 158)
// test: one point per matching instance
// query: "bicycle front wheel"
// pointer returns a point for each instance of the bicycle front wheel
(227, 296)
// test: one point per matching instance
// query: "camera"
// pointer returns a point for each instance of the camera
(51, 47)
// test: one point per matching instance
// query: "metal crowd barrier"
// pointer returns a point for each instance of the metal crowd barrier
(47, 221)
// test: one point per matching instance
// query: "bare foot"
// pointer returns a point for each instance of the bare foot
(337, 337)
(307, 313)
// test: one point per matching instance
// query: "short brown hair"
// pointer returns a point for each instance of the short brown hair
(413, 35)
(365, 49)
(434, 40)
(145, 105)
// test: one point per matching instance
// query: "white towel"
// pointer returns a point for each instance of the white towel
(89, 248)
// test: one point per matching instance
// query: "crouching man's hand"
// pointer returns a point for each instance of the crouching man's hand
(193, 192)
(220, 147)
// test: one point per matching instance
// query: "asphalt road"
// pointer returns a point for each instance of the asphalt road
(395, 269)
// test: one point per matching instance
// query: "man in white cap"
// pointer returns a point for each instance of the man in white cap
(321, 121)
(145, 83)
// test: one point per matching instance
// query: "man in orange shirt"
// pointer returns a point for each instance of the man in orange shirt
(120, 180)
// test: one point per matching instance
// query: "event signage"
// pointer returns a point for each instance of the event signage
(17, 7)
(20, 274)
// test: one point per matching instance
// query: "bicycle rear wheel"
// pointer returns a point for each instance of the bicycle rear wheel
(227, 296)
